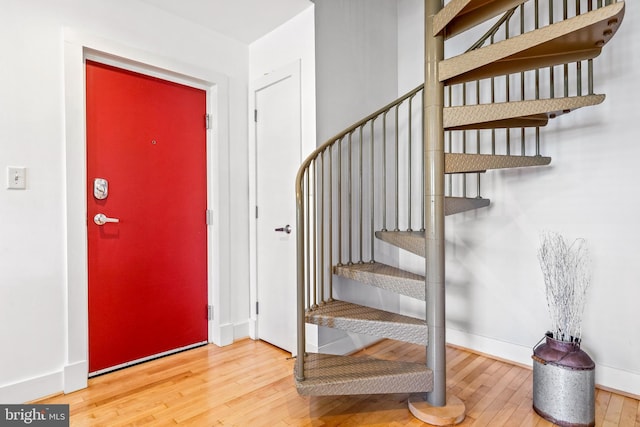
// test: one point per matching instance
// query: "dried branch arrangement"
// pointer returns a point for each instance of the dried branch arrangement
(567, 277)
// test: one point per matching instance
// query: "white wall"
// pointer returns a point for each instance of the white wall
(495, 292)
(35, 289)
(291, 42)
(355, 61)
(410, 44)
(356, 74)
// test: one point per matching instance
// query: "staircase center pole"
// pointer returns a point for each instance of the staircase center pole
(434, 205)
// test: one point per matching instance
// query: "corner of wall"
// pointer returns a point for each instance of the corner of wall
(75, 376)
(223, 334)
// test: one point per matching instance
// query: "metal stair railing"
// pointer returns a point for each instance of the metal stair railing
(371, 175)
(364, 179)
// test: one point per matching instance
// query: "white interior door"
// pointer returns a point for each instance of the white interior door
(278, 147)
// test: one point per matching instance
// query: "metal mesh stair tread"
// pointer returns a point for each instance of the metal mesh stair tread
(412, 241)
(459, 162)
(460, 15)
(370, 321)
(344, 375)
(385, 277)
(570, 40)
(454, 205)
(527, 113)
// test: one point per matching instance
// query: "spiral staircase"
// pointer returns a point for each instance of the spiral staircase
(390, 178)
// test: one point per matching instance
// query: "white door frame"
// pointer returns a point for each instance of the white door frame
(290, 70)
(77, 47)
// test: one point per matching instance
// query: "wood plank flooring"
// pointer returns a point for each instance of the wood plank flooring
(250, 383)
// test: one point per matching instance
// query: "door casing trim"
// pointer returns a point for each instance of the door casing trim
(291, 69)
(77, 48)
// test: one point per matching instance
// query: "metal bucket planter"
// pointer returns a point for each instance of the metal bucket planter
(563, 383)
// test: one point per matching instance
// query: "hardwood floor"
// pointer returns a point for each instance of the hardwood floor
(250, 383)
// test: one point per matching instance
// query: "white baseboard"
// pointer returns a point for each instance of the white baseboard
(75, 376)
(31, 389)
(606, 376)
(501, 349)
(618, 380)
(241, 330)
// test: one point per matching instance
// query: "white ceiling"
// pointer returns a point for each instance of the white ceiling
(243, 20)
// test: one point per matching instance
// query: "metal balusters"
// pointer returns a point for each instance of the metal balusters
(349, 199)
(384, 170)
(478, 138)
(536, 25)
(579, 63)
(449, 136)
(340, 202)
(311, 296)
(320, 214)
(409, 177)
(302, 296)
(314, 227)
(551, 68)
(372, 190)
(397, 193)
(566, 66)
(508, 93)
(330, 221)
(422, 178)
(464, 141)
(589, 62)
(522, 85)
(493, 100)
(360, 212)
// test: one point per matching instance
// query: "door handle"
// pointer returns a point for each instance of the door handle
(286, 229)
(102, 219)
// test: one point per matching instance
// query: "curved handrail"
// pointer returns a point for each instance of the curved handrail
(349, 130)
(300, 242)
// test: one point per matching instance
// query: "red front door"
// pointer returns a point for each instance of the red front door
(146, 169)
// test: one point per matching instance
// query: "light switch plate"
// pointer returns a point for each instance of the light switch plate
(16, 178)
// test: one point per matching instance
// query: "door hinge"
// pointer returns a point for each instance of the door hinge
(209, 312)
(255, 116)
(207, 121)
(257, 307)
(209, 215)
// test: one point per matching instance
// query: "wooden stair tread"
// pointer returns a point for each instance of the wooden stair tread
(385, 277)
(460, 15)
(575, 39)
(464, 163)
(528, 113)
(347, 375)
(370, 321)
